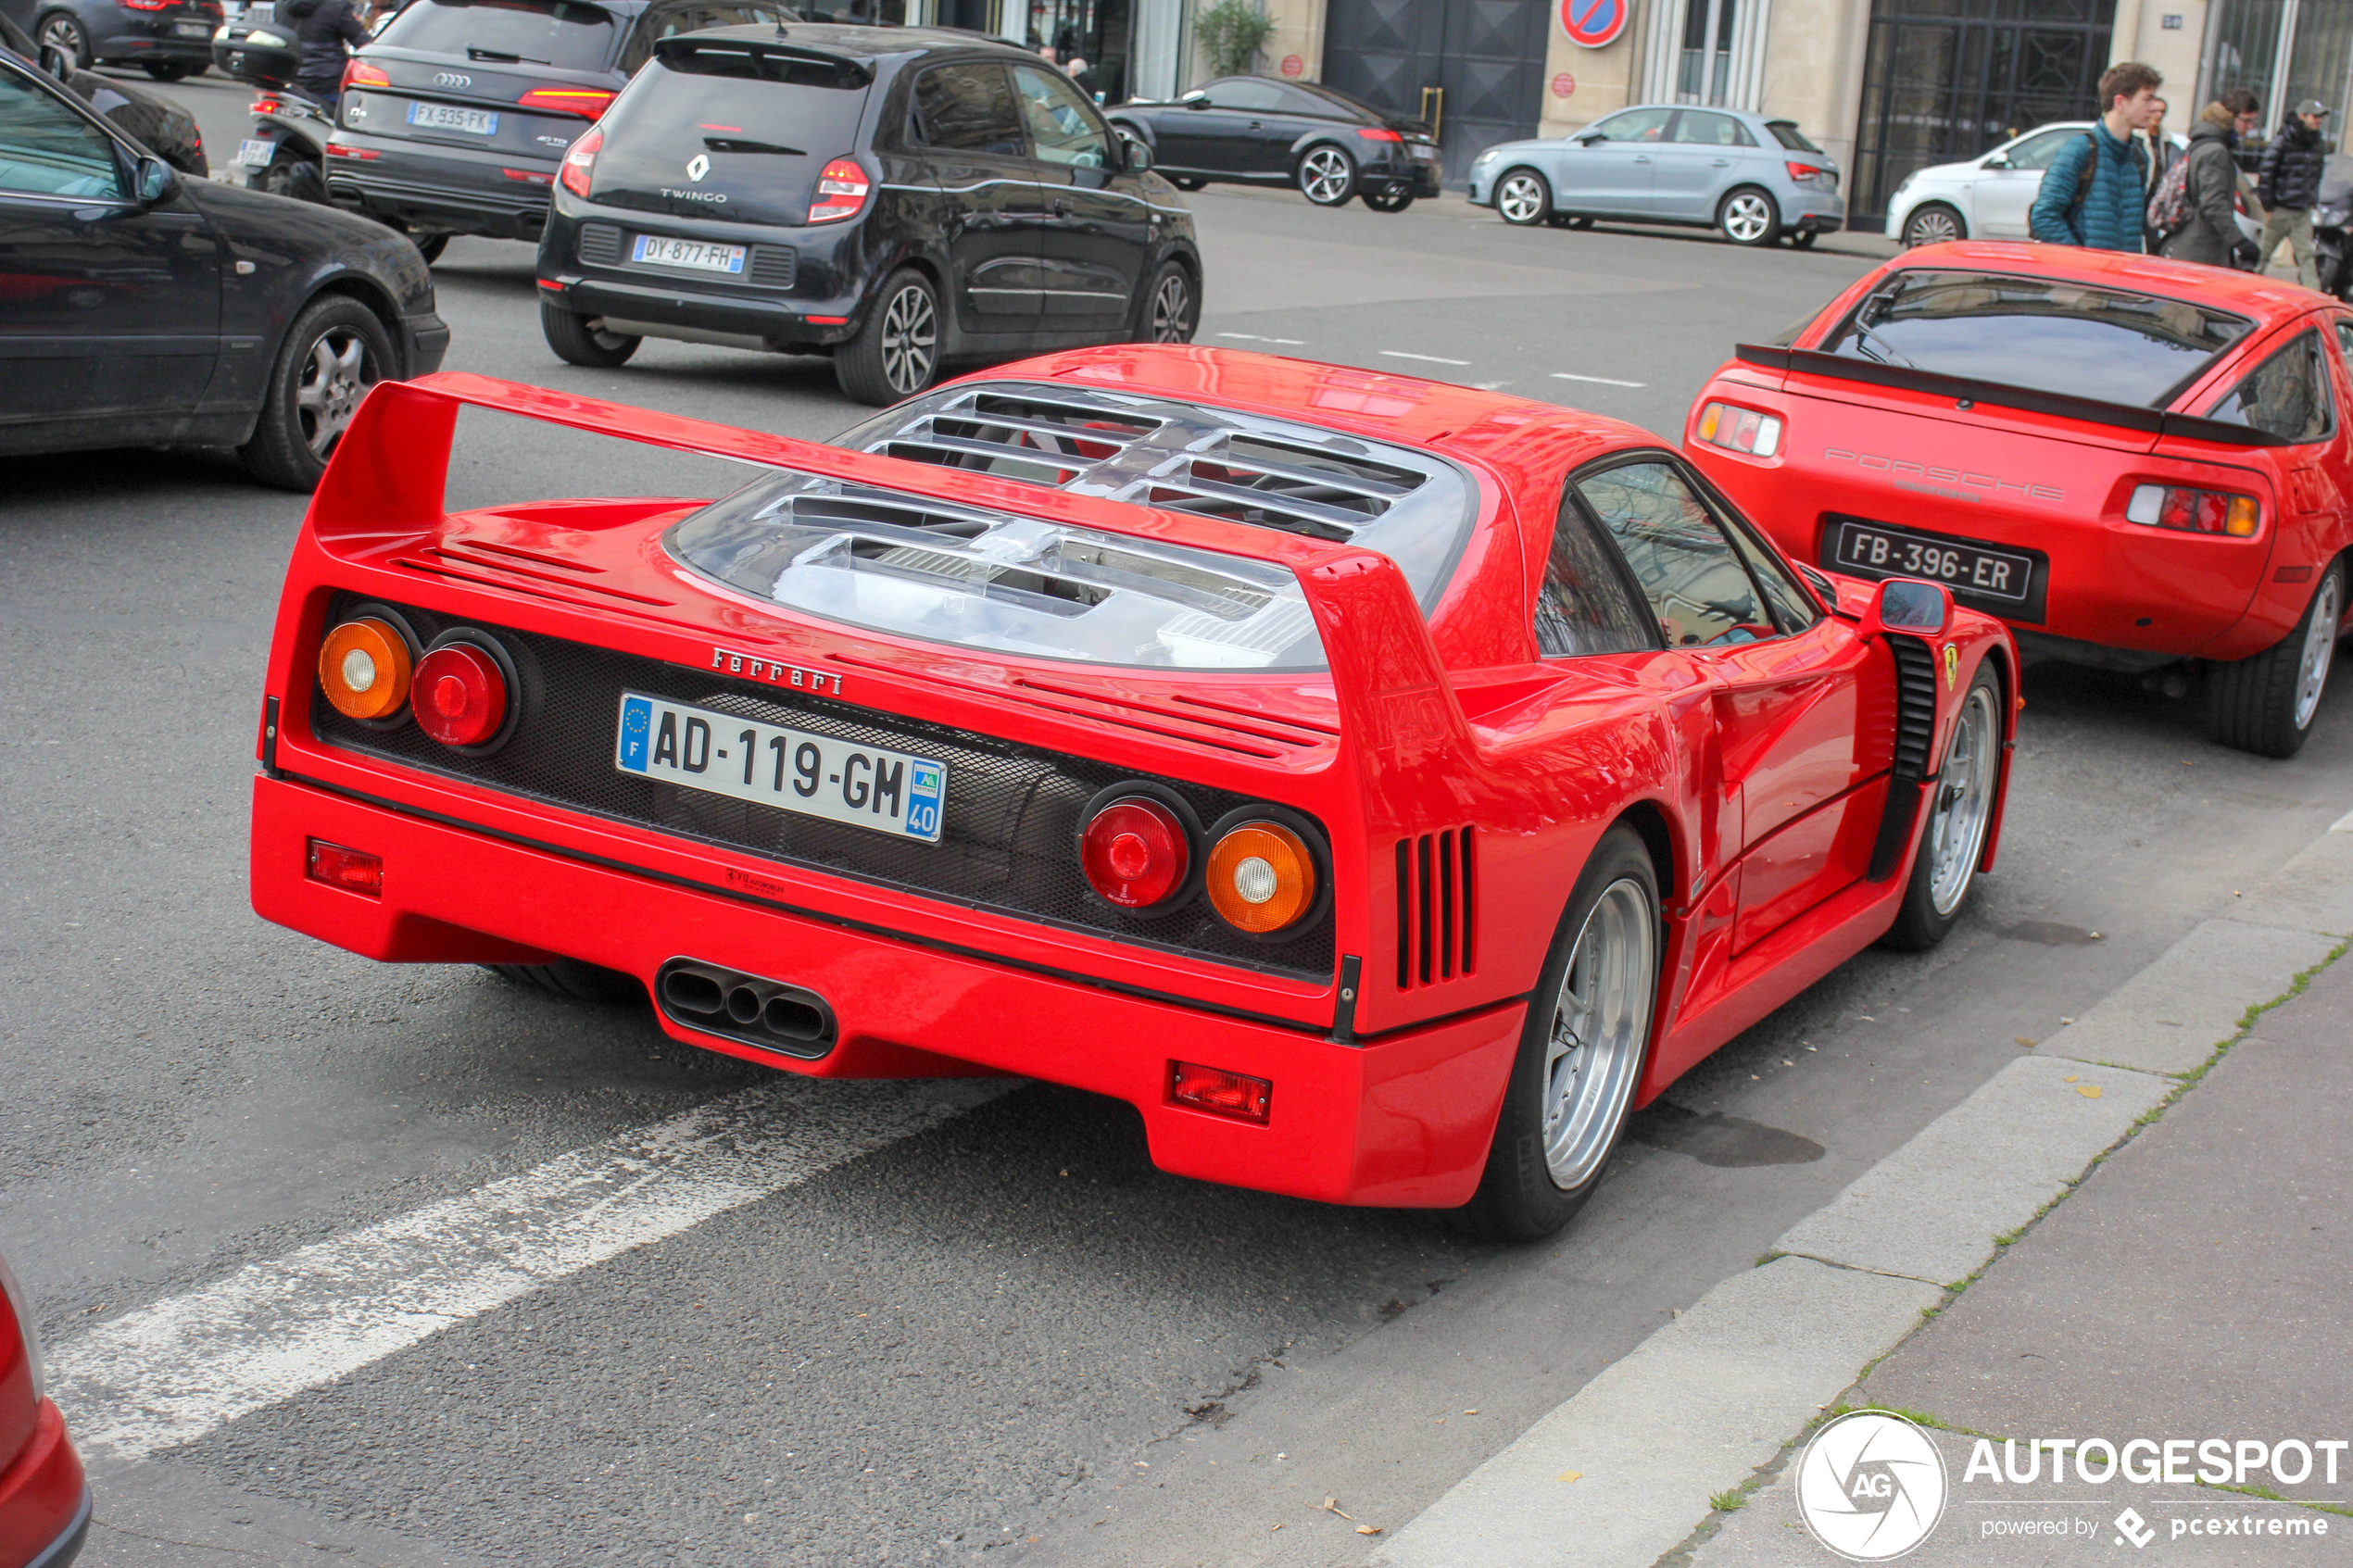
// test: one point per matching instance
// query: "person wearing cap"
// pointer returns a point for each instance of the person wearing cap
(2290, 186)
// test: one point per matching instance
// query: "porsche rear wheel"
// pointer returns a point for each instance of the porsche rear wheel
(1958, 812)
(2266, 704)
(1580, 1054)
(570, 977)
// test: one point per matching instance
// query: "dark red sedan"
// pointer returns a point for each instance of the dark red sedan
(1382, 785)
(2131, 461)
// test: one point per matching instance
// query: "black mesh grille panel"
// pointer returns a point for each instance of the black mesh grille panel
(773, 267)
(600, 245)
(1008, 843)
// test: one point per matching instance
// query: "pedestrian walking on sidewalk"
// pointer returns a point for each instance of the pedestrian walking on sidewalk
(2213, 233)
(2290, 186)
(2096, 192)
(2162, 156)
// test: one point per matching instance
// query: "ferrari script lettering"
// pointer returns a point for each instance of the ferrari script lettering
(1904, 468)
(768, 669)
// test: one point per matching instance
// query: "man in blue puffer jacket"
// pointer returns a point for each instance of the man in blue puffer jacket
(2103, 204)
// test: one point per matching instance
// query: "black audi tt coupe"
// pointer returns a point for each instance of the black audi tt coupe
(1253, 131)
(899, 198)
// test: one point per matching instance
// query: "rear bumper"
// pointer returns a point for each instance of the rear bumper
(45, 1499)
(772, 323)
(1403, 1122)
(428, 338)
(1822, 211)
(449, 190)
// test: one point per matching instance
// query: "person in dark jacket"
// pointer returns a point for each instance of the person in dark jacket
(2213, 233)
(2094, 192)
(328, 32)
(2290, 186)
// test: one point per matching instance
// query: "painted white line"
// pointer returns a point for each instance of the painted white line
(1604, 380)
(1253, 337)
(173, 1371)
(1425, 359)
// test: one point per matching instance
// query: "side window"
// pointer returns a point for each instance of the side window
(2345, 338)
(1634, 125)
(1293, 101)
(1698, 589)
(658, 23)
(968, 108)
(46, 149)
(2036, 152)
(1712, 130)
(1585, 605)
(1062, 126)
(2287, 396)
(1246, 93)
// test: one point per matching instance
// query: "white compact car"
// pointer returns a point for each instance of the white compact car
(1987, 197)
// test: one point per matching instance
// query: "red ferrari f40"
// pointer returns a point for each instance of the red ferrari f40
(1382, 785)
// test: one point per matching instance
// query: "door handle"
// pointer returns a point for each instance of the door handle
(1641, 157)
(1062, 209)
(1720, 162)
(1255, 125)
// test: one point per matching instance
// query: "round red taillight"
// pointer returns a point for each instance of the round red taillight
(458, 695)
(1135, 853)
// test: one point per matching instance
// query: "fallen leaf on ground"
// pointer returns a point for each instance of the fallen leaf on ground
(1331, 1505)
(2089, 1091)
(2024, 1041)
(1572, 1474)
(1368, 1529)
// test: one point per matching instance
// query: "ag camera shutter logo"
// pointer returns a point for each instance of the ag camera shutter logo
(1871, 1485)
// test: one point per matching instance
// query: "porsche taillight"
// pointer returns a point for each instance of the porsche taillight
(2185, 511)
(1736, 429)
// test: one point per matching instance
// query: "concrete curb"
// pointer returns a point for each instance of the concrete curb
(1623, 1471)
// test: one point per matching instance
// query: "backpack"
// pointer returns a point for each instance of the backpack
(2169, 212)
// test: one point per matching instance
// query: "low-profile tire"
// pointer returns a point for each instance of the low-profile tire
(1581, 1053)
(1749, 215)
(1804, 239)
(429, 246)
(577, 343)
(1187, 182)
(896, 354)
(61, 34)
(1956, 812)
(1170, 308)
(291, 174)
(168, 70)
(1389, 198)
(1327, 175)
(1524, 197)
(570, 977)
(2266, 704)
(334, 353)
(1932, 223)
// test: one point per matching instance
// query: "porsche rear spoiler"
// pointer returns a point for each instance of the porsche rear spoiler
(384, 490)
(1966, 390)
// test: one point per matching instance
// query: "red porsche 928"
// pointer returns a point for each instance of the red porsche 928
(1382, 785)
(2131, 461)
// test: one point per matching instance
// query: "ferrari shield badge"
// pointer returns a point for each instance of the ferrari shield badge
(1952, 665)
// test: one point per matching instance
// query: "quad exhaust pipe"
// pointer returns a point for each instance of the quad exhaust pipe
(767, 1014)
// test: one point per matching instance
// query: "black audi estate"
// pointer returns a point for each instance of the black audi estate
(899, 198)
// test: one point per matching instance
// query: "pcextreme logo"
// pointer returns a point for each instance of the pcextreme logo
(1871, 1485)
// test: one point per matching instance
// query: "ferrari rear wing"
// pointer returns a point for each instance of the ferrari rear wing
(385, 487)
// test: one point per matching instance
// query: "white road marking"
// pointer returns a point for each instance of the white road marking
(1253, 337)
(1425, 359)
(170, 1373)
(1606, 380)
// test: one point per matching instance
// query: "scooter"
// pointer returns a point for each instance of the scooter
(286, 153)
(2333, 239)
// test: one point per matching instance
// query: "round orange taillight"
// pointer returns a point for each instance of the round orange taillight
(1262, 877)
(1135, 853)
(363, 668)
(460, 696)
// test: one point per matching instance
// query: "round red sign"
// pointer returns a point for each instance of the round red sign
(1564, 85)
(1593, 22)
(1293, 65)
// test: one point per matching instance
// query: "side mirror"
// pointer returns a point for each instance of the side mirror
(1587, 138)
(156, 182)
(1135, 154)
(1907, 605)
(1198, 96)
(1999, 161)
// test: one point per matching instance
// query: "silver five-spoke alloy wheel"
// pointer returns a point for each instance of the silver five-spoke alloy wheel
(1931, 226)
(1171, 309)
(910, 339)
(1964, 802)
(63, 48)
(2320, 648)
(1324, 175)
(1601, 1025)
(336, 378)
(1521, 197)
(1748, 216)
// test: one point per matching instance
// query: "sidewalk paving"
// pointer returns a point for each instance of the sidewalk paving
(2196, 1285)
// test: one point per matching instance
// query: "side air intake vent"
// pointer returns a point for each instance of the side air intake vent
(773, 267)
(600, 245)
(1436, 898)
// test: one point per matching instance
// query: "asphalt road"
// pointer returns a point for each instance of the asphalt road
(1005, 1332)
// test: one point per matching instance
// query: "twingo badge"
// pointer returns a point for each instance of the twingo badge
(777, 674)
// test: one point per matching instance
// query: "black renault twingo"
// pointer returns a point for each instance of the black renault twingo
(900, 198)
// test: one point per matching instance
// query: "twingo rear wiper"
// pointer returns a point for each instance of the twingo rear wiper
(737, 144)
(503, 57)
